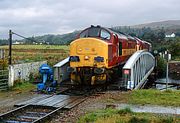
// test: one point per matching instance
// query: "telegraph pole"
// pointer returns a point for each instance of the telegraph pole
(10, 44)
(10, 48)
(167, 75)
(167, 57)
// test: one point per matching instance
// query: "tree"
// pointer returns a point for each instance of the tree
(175, 49)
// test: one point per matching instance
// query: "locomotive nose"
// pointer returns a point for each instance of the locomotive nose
(87, 49)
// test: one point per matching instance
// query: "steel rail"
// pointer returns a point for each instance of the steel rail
(12, 111)
(18, 112)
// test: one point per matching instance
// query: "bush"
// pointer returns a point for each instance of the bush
(168, 120)
(3, 64)
(161, 66)
(125, 111)
(175, 49)
(138, 120)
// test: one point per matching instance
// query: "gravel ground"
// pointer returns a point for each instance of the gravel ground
(98, 101)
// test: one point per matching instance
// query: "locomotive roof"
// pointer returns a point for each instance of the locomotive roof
(121, 35)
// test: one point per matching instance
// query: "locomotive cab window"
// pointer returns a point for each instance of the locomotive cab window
(84, 34)
(91, 32)
(105, 34)
(96, 32)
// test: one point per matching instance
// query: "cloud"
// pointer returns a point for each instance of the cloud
(40, 17)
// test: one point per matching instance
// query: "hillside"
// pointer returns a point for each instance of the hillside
(143, 31)
(53, 39)
(138, 30)
(169, 24)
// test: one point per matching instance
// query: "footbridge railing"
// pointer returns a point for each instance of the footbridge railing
(137, 69)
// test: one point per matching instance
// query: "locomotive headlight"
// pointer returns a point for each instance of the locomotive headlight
(74, 59)
(99, 59)
(86, 57)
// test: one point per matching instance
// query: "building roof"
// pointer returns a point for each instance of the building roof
(61, 63)
(169, 33)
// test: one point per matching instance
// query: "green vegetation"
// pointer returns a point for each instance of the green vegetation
(155, 97)
(172, 45)
(53, 39)
(63, 39)
(19, 91)
(175, 49)
(125, 116)
(33, 53)
(3, 42)
(148, 96)
(145, 33)
(3, 64)
(65, 47)
(156, 36)
(23, 86)
(161, 66)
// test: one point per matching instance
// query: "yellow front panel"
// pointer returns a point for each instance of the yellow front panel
(87, 49)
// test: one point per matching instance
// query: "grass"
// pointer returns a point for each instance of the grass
(33, 53)
(65, 47)
(148, 96)
(19, 88)
(177, 58)
(23, 87)
(155, 97)
(125, 116)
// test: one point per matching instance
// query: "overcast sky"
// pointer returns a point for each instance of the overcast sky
(39, 17)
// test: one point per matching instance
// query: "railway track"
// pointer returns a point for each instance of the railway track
(38, 113)
(28, 114)
(43, 107)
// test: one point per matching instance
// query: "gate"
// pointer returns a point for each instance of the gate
(4, 75)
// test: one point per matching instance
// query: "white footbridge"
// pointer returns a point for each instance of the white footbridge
(137, 69)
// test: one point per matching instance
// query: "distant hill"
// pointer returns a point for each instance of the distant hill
(169, 24)
(54, 39)
(138, 30)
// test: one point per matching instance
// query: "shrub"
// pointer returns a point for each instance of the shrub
(161, 66)
(138, 120)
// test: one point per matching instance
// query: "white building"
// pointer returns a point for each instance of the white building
(18, 42)
(171, 35)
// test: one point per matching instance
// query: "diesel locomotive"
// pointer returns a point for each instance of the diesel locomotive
(98, 53)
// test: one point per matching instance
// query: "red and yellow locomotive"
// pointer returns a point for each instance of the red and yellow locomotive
(97, 54)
